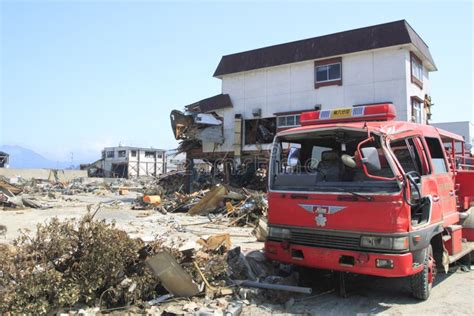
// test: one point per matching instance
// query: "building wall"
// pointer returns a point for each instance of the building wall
(43, 174)
(412, 89)
(463, 128)
(137, 166)
(367, 77)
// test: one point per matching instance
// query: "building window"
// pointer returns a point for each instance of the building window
(288, 121)
(110, 154)
(134, 153)
(417, 110)
(149, 154)
(416, 70)
(159, 155)
(328, 72)
(259, 131)
(122, 153)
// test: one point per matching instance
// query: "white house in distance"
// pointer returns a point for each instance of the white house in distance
(129, 162)
(265, 90)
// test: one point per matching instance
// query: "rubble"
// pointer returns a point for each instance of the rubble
(67, 263)
(271, 286)
(216, 243)
(93, 265)
(223, 203)
(212, 200)
(261, 230)
(197, 126)
(174, 279)
(88, 263)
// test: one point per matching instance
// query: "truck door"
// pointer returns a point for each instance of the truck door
(412, 156)
(444, 181)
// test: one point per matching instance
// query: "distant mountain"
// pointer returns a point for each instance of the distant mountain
(26, 158)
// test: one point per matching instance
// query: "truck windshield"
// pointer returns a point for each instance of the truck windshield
(312, 162)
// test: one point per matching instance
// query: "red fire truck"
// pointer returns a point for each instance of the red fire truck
(354, 190)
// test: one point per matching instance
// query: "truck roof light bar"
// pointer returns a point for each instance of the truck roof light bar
(376, 112)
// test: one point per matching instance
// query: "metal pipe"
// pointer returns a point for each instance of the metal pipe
(268, 286)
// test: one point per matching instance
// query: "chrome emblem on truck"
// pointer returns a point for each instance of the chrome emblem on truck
(321, 211)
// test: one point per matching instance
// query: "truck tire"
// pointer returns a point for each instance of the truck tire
(422, 282)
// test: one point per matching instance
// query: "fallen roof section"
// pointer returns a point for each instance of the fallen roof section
(220, 101)
(367, 38)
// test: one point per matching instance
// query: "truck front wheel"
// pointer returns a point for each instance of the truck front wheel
(422, 282)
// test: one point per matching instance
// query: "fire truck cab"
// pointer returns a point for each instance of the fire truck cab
(354, 190)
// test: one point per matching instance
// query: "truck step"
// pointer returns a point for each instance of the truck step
(467, 247)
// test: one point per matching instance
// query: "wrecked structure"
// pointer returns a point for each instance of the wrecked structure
(128, 162)
(265, 90)
(4, 160)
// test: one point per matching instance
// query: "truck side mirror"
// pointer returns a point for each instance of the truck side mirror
(371, 158)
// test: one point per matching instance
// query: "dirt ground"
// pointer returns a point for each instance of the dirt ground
(453, 293)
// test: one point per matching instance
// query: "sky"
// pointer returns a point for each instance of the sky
(78, 76)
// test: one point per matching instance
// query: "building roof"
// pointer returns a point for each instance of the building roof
(216, 102)
(366, 38)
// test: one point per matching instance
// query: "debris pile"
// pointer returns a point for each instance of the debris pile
(74, 264)
(240, 207)
(12, 196)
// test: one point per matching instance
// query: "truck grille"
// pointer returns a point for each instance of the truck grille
(325, 239)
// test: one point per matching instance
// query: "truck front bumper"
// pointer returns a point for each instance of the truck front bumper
(378, 264)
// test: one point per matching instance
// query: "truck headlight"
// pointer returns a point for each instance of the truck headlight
(400, 243)
(279, 233)
(376, 242)
(380, 242)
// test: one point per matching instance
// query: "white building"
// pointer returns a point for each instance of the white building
(175, 161)
(265, 90)
(129, 162)
(463, 128)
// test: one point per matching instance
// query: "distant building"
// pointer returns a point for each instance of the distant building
(4, 159)
(131, 162)
(175, 161)
(463, 128)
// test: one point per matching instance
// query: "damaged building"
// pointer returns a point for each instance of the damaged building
(265, 90)
(128, 162)
(4, 160)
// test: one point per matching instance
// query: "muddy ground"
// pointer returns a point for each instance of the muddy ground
(453, 293)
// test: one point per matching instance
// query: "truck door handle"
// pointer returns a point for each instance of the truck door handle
(435, 198)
